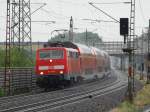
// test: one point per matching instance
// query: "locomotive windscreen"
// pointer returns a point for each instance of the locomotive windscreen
(51, 54)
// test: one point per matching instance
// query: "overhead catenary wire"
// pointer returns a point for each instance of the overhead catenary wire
(43, 21)
(112, 3)
(56, 14)
(99, 20)
(43, 4)
(3, 17)
(79, 4)
(141, 9)
(109, 32)
(73, 3)
(103, 12)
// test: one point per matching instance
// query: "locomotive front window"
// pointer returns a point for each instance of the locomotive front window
(52, 54)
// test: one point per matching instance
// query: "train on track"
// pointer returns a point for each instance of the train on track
(66, 62)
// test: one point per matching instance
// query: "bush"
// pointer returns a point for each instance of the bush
(1, 92)
(2, 58)
(20, 58)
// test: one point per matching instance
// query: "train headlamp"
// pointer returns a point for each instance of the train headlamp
(61, 72)
(41, 73)
(50, 60)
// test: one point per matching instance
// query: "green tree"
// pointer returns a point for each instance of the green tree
(85, 38)
(18, 58)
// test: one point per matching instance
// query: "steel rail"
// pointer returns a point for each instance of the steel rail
(29, 95)
(79, 100)
(37, 98)
(53, 101)
(71, 100)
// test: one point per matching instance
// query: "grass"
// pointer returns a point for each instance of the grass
(1, 92)
(126, 107)
(141, 99)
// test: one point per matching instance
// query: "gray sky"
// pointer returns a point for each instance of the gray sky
(61, 10)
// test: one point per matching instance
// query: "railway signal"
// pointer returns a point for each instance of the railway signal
(124, 27)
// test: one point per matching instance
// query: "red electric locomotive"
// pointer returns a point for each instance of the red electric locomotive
(62, 63)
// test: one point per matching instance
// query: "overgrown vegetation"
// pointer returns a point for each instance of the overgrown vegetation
(142, 99)
(1, 92)
(83, 38)
(126, 107)
(20, 58)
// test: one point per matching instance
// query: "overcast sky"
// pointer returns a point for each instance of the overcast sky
(61, 10)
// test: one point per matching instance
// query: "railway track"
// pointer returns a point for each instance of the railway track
(69, 99)
(22, 100)
(30, 95)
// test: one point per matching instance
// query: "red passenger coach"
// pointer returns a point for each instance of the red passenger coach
(69, 62)
(87, 60)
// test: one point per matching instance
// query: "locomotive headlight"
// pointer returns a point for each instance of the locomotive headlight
(41, 73)
(50, 60)
(59, 67)
(61, 72)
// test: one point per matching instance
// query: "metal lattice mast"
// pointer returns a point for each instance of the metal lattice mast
(133, 38)
(7, 50)
(132, 21)
(71, 30)
(148, 54)
(131, 51)
(15, 25)
(21, 24)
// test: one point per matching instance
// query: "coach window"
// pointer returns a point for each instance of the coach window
(73, 54)
(77, 54)
(70, 54)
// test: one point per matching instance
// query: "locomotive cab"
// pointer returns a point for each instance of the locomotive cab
(50, 61)
(56, 64)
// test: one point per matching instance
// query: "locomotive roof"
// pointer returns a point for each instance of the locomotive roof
(83, 48)
(69, 49)
(97, 51)
(100, 52)
(61, 44)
